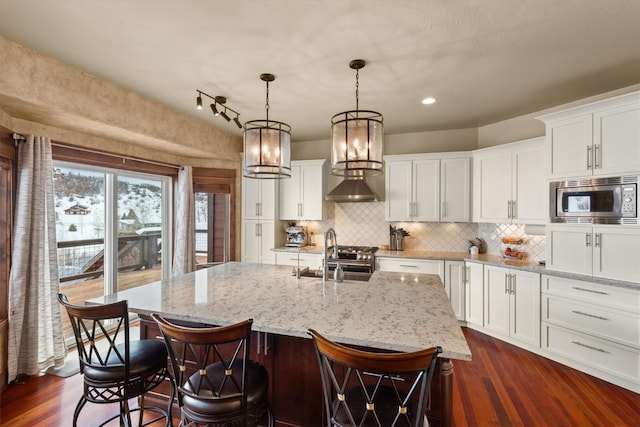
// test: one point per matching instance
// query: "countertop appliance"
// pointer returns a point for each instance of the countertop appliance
(595, 201)
(296, 236)
(358, 259)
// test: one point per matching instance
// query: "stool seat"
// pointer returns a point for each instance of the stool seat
(145, 357)
(229, 401)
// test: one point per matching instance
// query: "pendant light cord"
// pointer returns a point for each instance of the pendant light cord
(357, 86)
(266, 106)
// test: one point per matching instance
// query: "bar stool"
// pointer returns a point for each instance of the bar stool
(216, 382)
(374, 389)
(115, 371)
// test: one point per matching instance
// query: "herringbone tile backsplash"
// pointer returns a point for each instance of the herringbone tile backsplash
(364, 224)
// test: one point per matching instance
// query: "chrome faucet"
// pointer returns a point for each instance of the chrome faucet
(325, 255)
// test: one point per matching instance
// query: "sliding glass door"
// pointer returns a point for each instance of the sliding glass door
(113, 229)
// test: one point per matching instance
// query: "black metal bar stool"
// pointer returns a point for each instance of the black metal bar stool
(216, 382)
(114, 371)
(365, 389)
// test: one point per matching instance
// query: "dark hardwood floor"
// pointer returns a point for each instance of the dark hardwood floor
(503, 386)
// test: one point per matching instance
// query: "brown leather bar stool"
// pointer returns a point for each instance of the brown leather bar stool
(114, 371)
(217, 383)
(365, 389)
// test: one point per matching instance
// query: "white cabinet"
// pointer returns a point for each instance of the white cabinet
(258, 241)
(474, 294)
(608, 251)
(509, 183)
(593, 327)
(600, 138)
(260, 230)
(259, 198)
(427, 187)
(454, 284)
(302, 196)
(512, 304)
(304, 259)
(411, 265)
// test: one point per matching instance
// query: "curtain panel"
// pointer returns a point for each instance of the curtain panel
(36, 339)
(184, 254)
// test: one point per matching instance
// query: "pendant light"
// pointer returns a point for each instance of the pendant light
(267, 145)
(356, 138)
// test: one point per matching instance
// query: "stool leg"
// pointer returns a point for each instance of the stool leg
(79, 407)
(141, 410)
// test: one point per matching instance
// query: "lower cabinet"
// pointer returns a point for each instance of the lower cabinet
(411, 265)
(512, 304)
(593, 327)
(258, 240)
(454, 284)
(474, 294)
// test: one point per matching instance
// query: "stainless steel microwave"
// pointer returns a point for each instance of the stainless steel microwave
(595, 201)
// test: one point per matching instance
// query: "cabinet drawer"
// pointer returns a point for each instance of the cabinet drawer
(615, 359)
(412, 265)
(622, 298)
(312, 261)
(609, 324)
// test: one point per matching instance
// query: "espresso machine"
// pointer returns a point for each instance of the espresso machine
(296, 236)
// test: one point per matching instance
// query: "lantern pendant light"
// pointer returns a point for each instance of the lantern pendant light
(356, 138)
(267, 145)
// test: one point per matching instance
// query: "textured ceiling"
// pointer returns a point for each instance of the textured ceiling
(484, 60)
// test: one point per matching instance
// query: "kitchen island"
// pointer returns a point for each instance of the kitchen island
(391, 311)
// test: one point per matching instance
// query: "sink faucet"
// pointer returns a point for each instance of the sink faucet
(325, 255)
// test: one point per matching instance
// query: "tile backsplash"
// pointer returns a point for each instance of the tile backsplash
(363, 224)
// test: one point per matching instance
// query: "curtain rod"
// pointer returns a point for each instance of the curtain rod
(116, 155)
(18, 137)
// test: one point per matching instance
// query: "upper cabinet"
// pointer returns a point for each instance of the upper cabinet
(428, 187)
(302, 195)
(259, 198)
(597, 139)
(509, 183)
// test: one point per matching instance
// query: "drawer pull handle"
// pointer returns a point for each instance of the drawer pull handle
(589, 347)
(589, 315)
(409, 266)
(590, 290)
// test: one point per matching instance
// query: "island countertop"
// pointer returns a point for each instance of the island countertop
(393, 311)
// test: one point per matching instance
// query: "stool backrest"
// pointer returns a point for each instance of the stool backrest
(193, 350)
(97, 330)
(405, 379)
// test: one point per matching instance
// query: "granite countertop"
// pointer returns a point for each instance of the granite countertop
(393, 311)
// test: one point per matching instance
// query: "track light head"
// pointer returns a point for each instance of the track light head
(224, 114)
(214, 109)
(236, 120)
(199, 102)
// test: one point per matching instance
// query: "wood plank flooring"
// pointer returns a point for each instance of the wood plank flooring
(503, 386)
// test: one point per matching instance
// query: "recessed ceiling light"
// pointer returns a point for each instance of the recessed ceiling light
(429, 100)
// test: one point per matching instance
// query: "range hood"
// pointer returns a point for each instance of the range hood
(352, 189)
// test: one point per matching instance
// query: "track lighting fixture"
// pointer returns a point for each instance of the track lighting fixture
(267, 145)
(217, 107)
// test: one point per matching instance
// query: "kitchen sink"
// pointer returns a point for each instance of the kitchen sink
(348, 275)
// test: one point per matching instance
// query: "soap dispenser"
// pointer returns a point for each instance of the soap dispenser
(338, 274)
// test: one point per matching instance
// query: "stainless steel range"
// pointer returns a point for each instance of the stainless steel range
(358, 259)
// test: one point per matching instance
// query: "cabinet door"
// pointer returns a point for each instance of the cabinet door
(268, 198)
(290, 195)
(530, 188)
(251, 248)
(398, 190)
(474, 293)
(426, 190)
(455, 286)
(492, 184)
(496, 299)
(250, 198)
(525, 307)
(616, 253)
(570, 146)
(267, 242)
(616, 139)
(455, 190)
(569, 248)
(312, 193)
